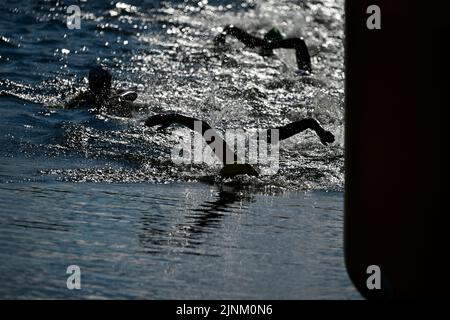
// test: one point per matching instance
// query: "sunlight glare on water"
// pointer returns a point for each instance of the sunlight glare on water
(102, 192)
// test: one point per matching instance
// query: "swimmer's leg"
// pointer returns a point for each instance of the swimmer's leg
(296, 127)
(241, 35)
(301, 51)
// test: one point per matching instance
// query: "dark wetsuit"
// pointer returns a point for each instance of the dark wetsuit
(284, 132)
(301, 50)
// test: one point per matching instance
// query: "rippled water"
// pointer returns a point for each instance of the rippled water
(170, 241)
(101, 191)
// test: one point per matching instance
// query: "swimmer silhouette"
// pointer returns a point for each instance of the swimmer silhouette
(272, 40)
(101, 97)
(235, 168)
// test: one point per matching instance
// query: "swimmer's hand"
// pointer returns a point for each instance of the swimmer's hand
(326, 137)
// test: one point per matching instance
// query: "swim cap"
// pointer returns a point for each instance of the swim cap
(273, 34)
(99, 78)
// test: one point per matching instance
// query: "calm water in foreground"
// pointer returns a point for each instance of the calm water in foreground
(186, 240)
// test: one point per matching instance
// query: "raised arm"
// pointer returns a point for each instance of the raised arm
(241, 35)
(165, 120)
(296, 127)
(301, 50)
(234, 168)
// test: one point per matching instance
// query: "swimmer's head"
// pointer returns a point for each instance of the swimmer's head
(273, 34)
(100, 80)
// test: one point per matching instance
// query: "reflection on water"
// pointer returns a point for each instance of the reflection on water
(170, 241)
(203, 219)
(210, 212)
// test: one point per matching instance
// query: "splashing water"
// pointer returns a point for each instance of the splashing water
(103, 192)
(166, 53)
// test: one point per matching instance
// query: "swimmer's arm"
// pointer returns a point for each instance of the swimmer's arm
(241, 35)
(296, 127)
(200, 126)
(301, 51)
(166, 120)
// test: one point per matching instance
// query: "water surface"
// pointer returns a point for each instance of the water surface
(101, 192)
